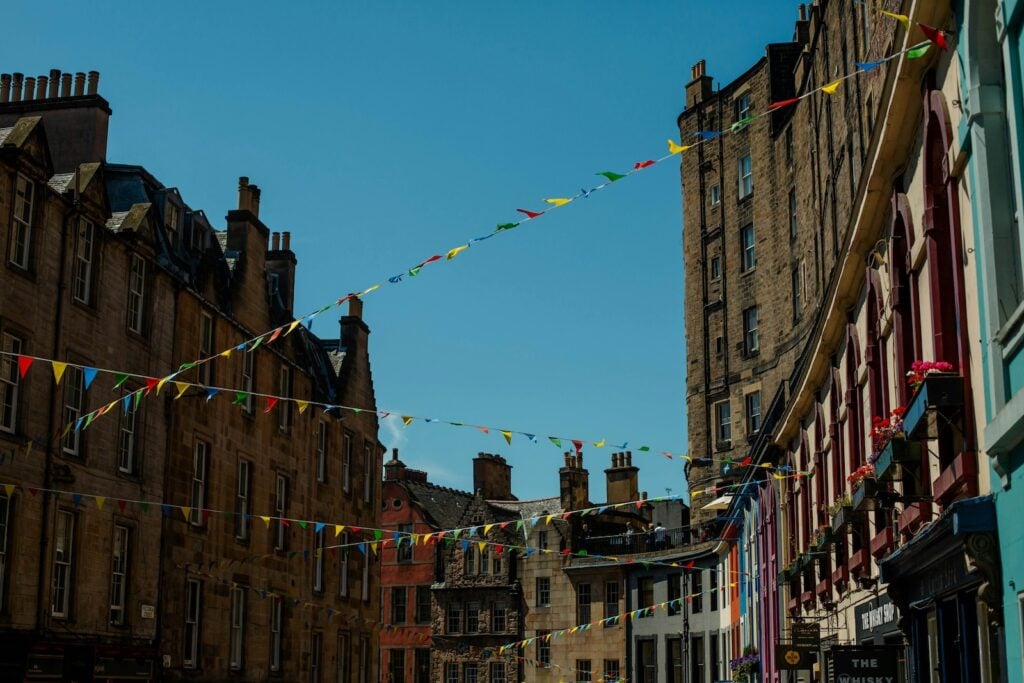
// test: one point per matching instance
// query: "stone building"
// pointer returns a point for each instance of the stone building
(109, 268)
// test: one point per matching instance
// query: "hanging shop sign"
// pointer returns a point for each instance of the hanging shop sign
(875, 617)
(864, 664)
(793, 657)
(806, 635)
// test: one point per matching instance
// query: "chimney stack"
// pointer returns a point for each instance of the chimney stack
(54, 83)
(699, 87)
(355, 308)
(574, 483)
(79, 84)
(621, 478)
(492, 475)
(65, 85)
(248, 196)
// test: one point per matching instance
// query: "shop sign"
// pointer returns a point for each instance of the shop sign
(793, 657)
(878, 616)
(864, 664)
(806, 635)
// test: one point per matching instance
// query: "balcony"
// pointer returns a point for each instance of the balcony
(635, 544)
(824, 589)
(841, 577)
(895, 454)
(959, 477)
(860, 563)
(882, 542)
(940, 398)
(913, 517)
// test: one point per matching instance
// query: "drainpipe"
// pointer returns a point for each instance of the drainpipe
(54, 417)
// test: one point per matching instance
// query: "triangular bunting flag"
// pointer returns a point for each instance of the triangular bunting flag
(271, 402)
(452, 253)
(558, 201)
(832, 87)
(673, 148)
(918, 51)
(88, 375)
(902, 18)
(556, 441)
(266, 520)
(530, 214)
(182, 388)
(612, 177)
(24, 363)
(508, 437)
(100, 500)
(58, 370)
(187, 512)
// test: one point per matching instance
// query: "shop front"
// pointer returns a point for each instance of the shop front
(945, 585)
(877, 623)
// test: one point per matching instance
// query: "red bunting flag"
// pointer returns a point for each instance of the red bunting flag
(578, 445)
(24, 363)
(934, 35)
(275, 335)
(485, 430)
(151, 383)
(271, 402)
(688, 565)
(33, 491)
(433, 258)
(783, 103)
(530, 214)
(746, 461)
(643, 164)
(122, 504)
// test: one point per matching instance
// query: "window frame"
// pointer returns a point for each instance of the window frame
(751, 326)
(716, 194)
(453, 619)
(544, 647)
(742, 105)
(248, 381)
(399, 605)
(10, 381)
(63, 565)
(611, 603)
(191, 643)
(276, 634)
(645, 592)
(321, 451)
(748, 248)
(499, 617)
(584, 671)
(127, 441)
(343, 567)
(236, 631)
(584, 603)
(136, 306)
(6, 516)
(74, 386)
(200, 476)
(81, 286)
(346, 463)
(368, 478)
(471, 623)
(723, 429)
(344, 656)
(497, 672)
(20, 239)
(316, 656)
(319, 578)
(423, 617)
(243, 493)
(745, 176)
(284, 408)
(543, 597)
(794, 223)
(120, 559)
(715, 268)
(280, 510)
(749, 413)
(404, 550)
(207, 345)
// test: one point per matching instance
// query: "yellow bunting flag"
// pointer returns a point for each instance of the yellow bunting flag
(481, 545)
(487, 529)
(9, 488)
(187, 512)
(182, 388)
(292, 326)
(226, 354)
(832, 87)
(100, 500)
(558, 201)
(508, 437)
(407, 419)
(673, 148)
(266, 520)
(302, 406)
(452, 253)
(58, 370)
(338, 528)
(599, 444)
(370, 289)
(902, 18)
(547, 520)
(161, 383)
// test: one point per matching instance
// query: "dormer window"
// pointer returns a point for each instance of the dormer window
(172, 219)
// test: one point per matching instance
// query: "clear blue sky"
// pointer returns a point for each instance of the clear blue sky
(383, 132)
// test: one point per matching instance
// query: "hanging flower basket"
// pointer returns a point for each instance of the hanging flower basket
(937, 391)
(864, 495)
(842, 518)
(896, 453)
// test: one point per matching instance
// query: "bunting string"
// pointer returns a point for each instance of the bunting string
(934, 37)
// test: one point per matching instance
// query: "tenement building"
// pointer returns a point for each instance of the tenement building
(173, 537)
(885, 543)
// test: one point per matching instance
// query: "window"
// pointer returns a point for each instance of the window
(582, 604)
(284, 408)
(469, 672)
(753, 405)
(748, 257)
(399, 608)
(583, 672)
(405, 540)
(74, 400)
(496, 565)
(318, 563)
(5, 525)
(10, 380)
(697, 592)
(750, 340)
(473, 617)
(370, 473)
(499, 618)
(542, 540)
(674, 593)
(248, 370)
(697, 659)
(126, 436)
(789, 146)
(421, 665)
(277, 634)
(544, 648)
(746, 177)
(199, 464)
(83, 262)
(716, 195)
(242, 501)
(21, 230)
(798, 304)
(237, 628)
(647, 660)
(498, 672)
(316, 652)
(646, 597)
(723, 424)
(713, 655)
(172, 218)
(343, 585)
(321, 452)
(485, 561)
(713, 588)
(716, 268)
(136, 293)
(343, 657)
(742, 106)
(206, 348)
(543, 591)
(280, 509)
(793, 225)
(611, 599)
(364, 659)
(346, 463)
(119, 575)
(193, 598)
(719, 345)
(469, 561)
(366, 579)
(454, 623)
(612, 673)
(675, 660)
(451, 673)
(396, 666)
(423, 605)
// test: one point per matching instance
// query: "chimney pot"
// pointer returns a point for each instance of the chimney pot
(394, 454)
(16, 87)
(275, 241)
(54, 83)
(79, 84)
(94, 82)
(286, 241)
(41, 82)
(355, 307)
(65, 85)
(629, 458)
(567, 459)
(30, 88)
(5, 87)
(255, 200)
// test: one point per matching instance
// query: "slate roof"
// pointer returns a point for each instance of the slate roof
(59, 182)
(445, 506)
(530, 508)
(4, 132)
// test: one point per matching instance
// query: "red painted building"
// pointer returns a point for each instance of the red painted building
(410, 504)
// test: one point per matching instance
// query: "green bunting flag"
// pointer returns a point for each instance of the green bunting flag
(121, 379)
(612, 177)
(919, 51)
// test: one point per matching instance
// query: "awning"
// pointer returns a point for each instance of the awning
(720, 503)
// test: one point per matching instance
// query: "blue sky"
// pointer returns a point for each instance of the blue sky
(384, 132)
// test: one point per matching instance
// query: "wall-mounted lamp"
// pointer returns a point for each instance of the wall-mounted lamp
(876, 257)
